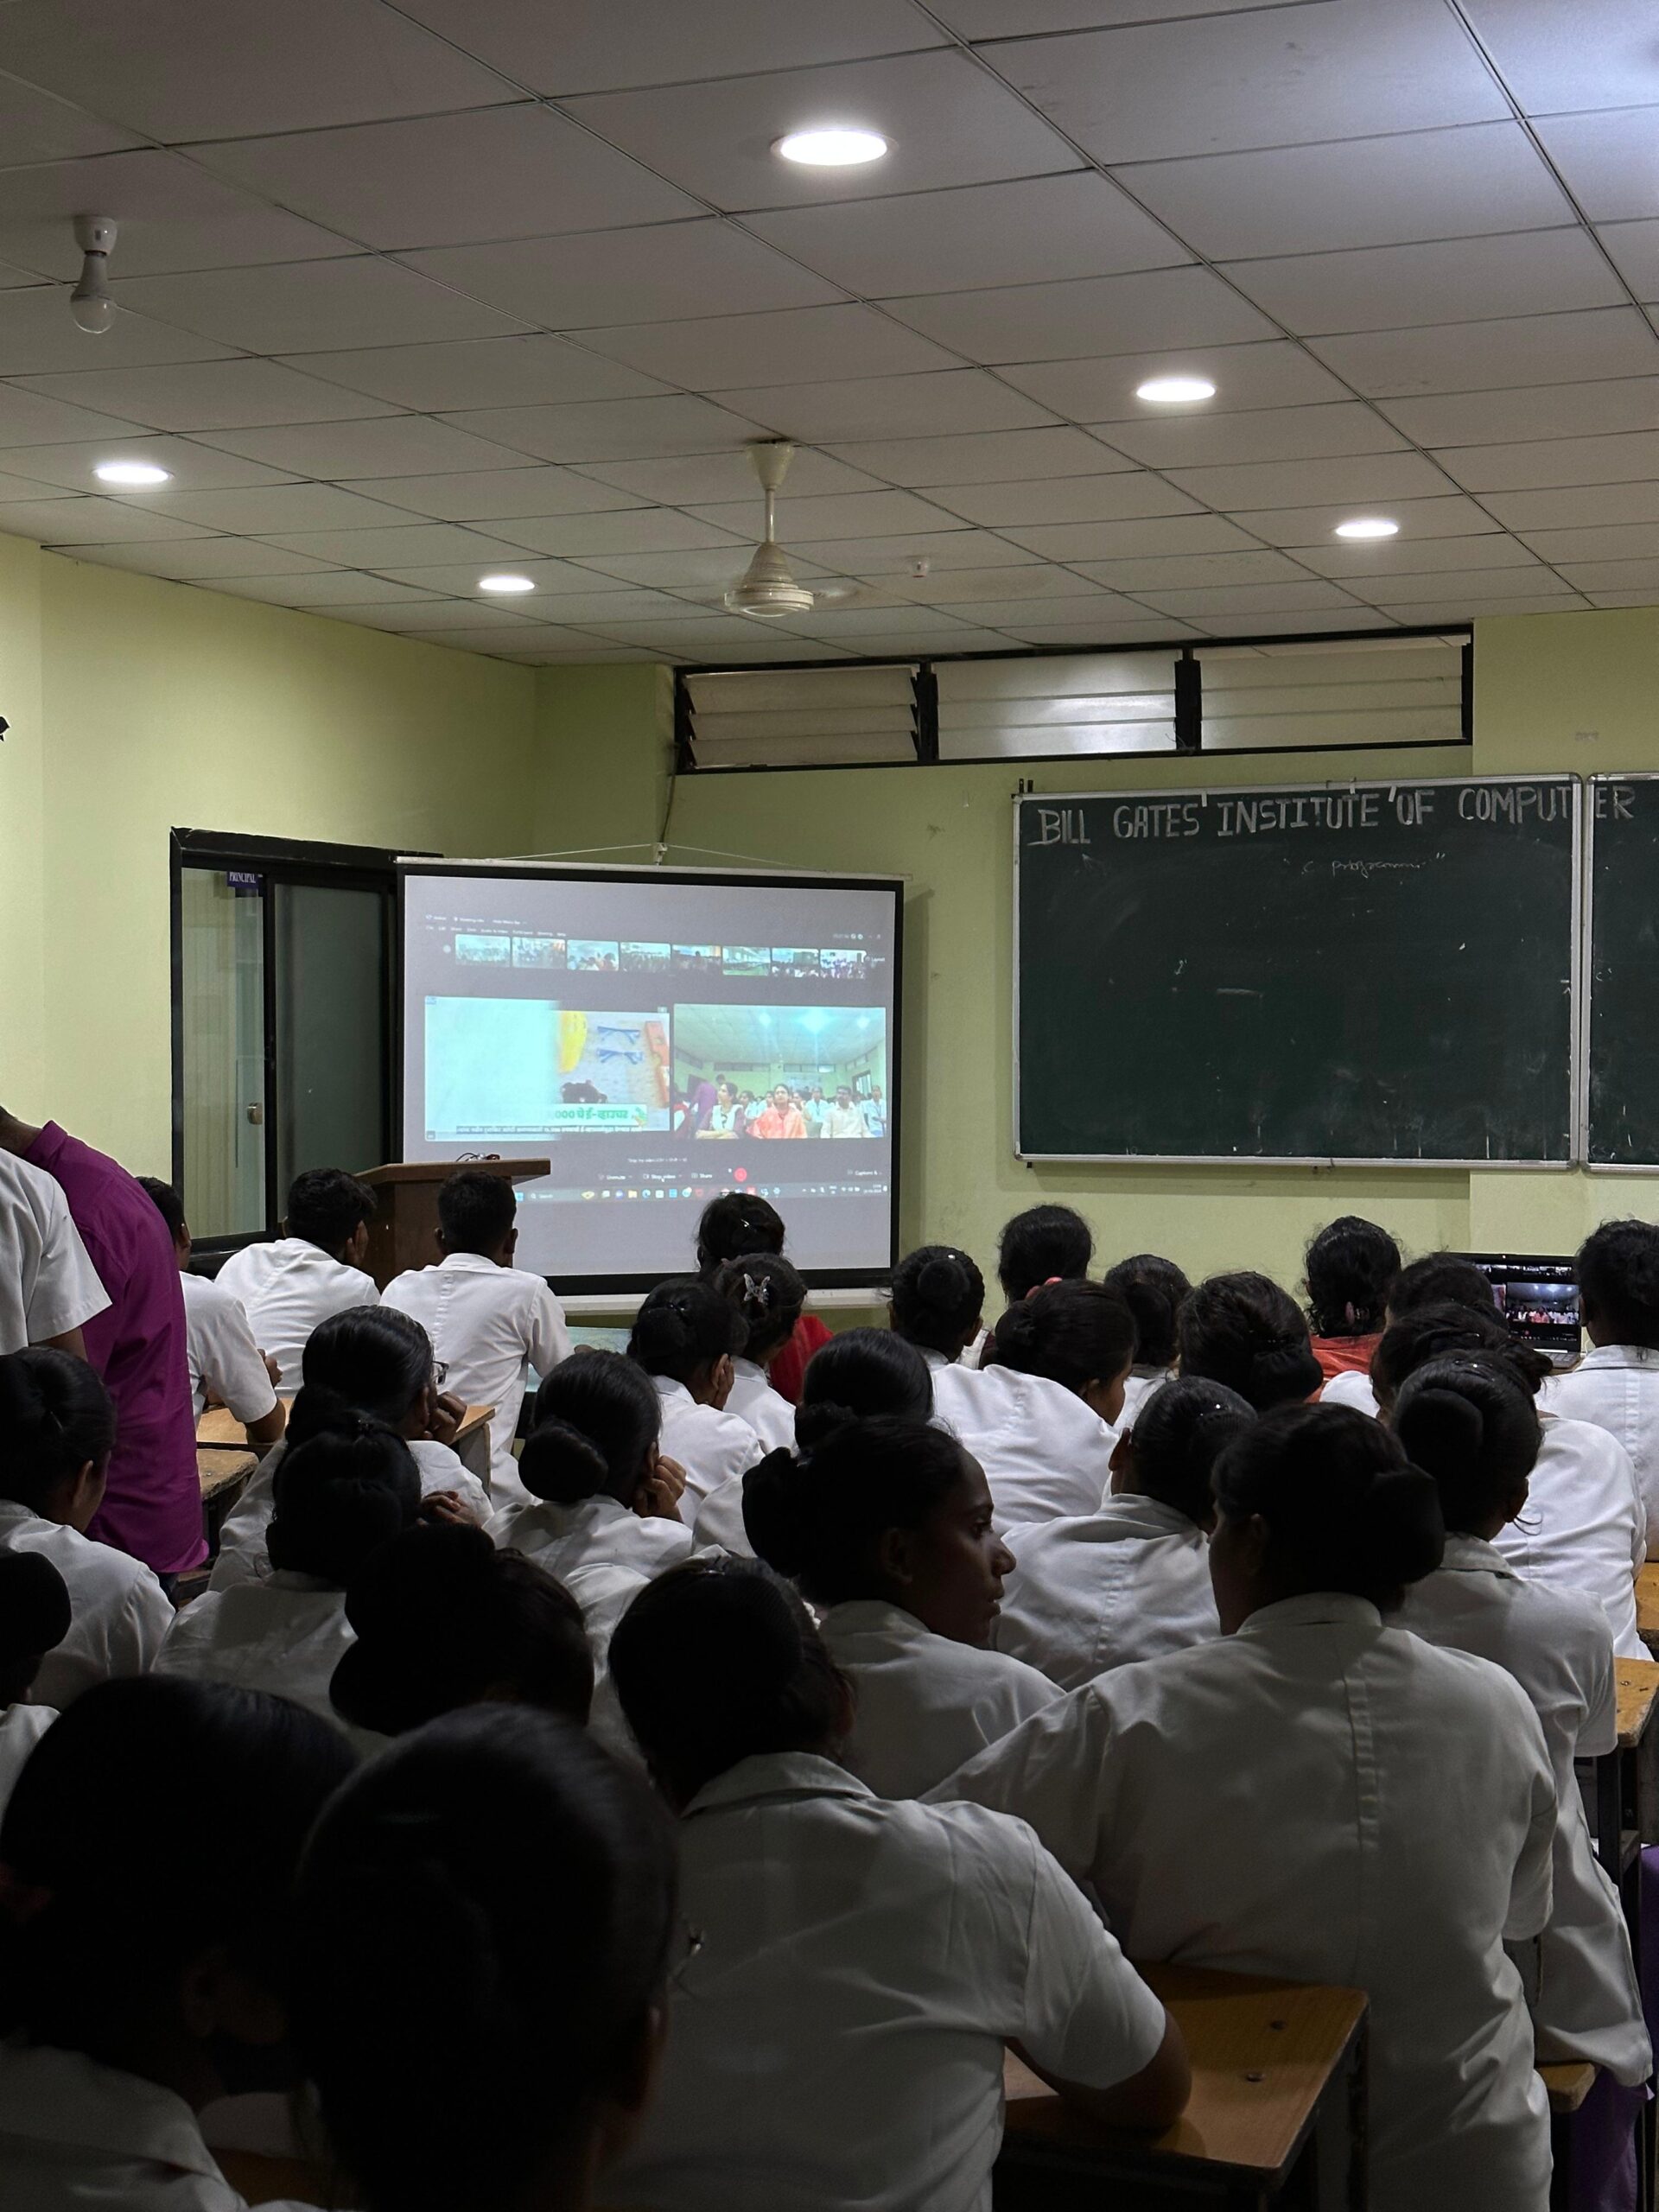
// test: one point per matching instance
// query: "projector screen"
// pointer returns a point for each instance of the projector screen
(662, 1035)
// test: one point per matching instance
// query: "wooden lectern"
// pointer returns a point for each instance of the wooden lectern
(402, 1233)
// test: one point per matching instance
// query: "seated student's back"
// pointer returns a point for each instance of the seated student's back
(313, 1269)
(1437, 1279)
(769, 1295)
(685, 1336)
(1153, 1289)
(225, 1365)
(1246, 1333)
(739, 1221)
(1616, 1384)
(488, 1320)
(838, 2037)
(1351, 1265)
(57, 1430)
(937, 1302)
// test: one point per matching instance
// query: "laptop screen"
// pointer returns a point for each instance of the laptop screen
(1537, 1293)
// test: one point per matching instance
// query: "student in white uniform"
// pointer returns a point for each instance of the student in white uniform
(1131, 1581)
(1244, 1331)
(57, 1430)
(1616, 1384)
(313, 1269)
(1153, 1289)
(1583, 1528)
(49, 1285)
(1046, 1243)
(540, 1874)
(1471, 1424)
(1038, 1414)
(770, 1296)
(1437, 1279)
(489, 1321)
(443, 1619)
(149, 1846)
(339, 1497)
(225, 1365)
(1324, 1797)
(35, 1619)
(837, 2037)
(685, 1335)
(886, 1526)
(937, 1302)
(373, 1360)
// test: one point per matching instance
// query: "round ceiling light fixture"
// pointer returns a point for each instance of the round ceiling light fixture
(836, 146)
(131, 474)
(1368, 526)
(505, 585)
(1172, 391)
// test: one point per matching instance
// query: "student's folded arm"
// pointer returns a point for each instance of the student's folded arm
(267, 1428)
(1154, 2098)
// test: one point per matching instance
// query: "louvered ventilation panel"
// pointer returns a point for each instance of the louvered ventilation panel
(1057, 703)
(1333, 692)
(802, 717)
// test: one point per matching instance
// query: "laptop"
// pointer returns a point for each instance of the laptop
(1537, 1293)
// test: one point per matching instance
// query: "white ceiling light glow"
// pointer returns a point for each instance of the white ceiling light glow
(1171, 391)
(833, 147)
(131, 473)
(506, 585)
(1368, 526)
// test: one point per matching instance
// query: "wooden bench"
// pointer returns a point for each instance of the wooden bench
(220, 1428)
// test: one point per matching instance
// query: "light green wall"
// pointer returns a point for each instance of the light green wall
(1540, 681)
(137, 705)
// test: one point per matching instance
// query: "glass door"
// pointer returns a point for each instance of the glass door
(222, 999)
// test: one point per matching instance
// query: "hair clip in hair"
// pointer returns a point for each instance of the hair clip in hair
(1044, 1285)
(759, 1294)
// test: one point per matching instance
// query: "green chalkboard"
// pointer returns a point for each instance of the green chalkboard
(1622, 1059)
(1320, 972)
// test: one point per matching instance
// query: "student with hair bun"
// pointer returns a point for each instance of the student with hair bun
(1322, 1797)
(1583, 1528)
(1132, 1580)
(1243, 1331)
(1350, 1267)
(742, 1221)
(937, 1302)
(886, 1526)
(57, 1430)
(35, 1617)
(1471, 1423)
(769, 1295)
(685, 1335)
(339, 1497)
(1038, 1414)
(837, 2037)
(373, 1360)
(1152, 1289)
(1437, 1279)
(1616, 1384)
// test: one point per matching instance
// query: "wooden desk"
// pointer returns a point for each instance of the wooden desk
(1646, 1604)
(1278, 2093)
(220, 1428)
(1625, 1785)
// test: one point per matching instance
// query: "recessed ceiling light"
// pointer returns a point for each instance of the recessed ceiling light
(1169, 391)
(131, 472)
(1368, 526)
(832, 149)
(506, 583)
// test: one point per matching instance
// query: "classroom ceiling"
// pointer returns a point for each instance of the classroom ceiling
(411, 292)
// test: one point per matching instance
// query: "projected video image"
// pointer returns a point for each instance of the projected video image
(590, 956)
(748, 960)
(800, 961)
(528, 1067)
(780, 1072)
(484, 951)
(697, 960)
(644, 959)
(538, 952)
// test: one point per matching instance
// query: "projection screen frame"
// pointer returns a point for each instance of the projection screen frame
(574, 1289)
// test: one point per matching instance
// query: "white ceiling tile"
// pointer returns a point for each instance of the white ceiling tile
(610, 429)
(1635, 249)
(1029, 233)
(1447, 517)
(330, 588)
(197, 396)
(405, 545)
(599, 277)
(983, 457)
(1610, 161)
(1556, 410)
(976, 590)
(664, 41)
(581, 609)
(884, 407)
(1614, 576)
(1630, 541)
(1545, 463)
(1088, 603)
(193, 467)
(24, 487)
(1595, 53)
(450, 180)
(170, 216)
(943, 550)
(1362, 477)
(89, 522)
(1126, 541)
(685, 479)
(1062, 498)
(37, 126)
(175, 70)
(197, 560)
(1578, 509)
(1338, 621)
(1347, 69)
(902, 618)
(1242, 601)
(493, 494)
(551, 578)
(300, 307)
(269, 508)
(30, 417)
(635, 530)
(716, 351)
(1149, 630)
(479, 373)
(37, 335)
(990, 19)
(425, 612)
(1472, 587)
(1643, 597)
(384, 445)
(1300, 433)
(1414, 614)
(1162, 308)
(1406, 556)
(1273, 374)
(709, 569)
(834, 514)
(479, 639)
(1172, 571)
(1456, 280)
(946, 121)
(1485, 356)
(1437, 184)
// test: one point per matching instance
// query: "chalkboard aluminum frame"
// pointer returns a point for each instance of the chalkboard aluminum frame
(1577, 1010)
(1587, 927)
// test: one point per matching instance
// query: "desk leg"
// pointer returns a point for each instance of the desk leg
(1609, 1814)
(1330, 2176)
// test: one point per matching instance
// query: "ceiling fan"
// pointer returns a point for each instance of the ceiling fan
(769, 585)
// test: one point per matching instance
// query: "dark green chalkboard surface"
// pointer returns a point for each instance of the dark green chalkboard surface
(1623, 1057)
(1320, 972)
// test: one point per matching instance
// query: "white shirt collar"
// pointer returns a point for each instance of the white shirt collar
(875, 1617)
(1130, 1509)
(1618, 1356)
(468, 1263)
(776, 1774)
(49, 2095)
(1474, 1555)
(667, 1388)
(13, 1510)
(748, 1367)
(1314, 1609)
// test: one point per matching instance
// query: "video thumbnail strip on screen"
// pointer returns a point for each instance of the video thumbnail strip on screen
(637, 957)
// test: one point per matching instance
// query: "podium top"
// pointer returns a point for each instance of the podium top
(440, 1171)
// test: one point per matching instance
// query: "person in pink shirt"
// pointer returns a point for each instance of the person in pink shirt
(152, 1500)
(782, 1118)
